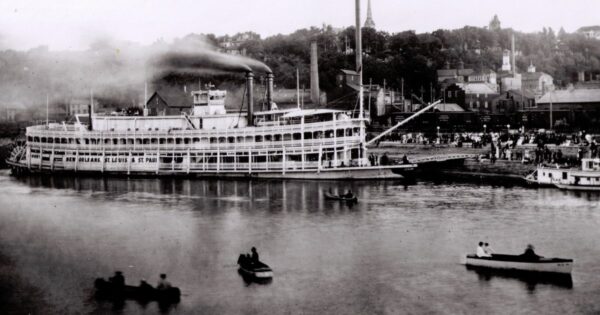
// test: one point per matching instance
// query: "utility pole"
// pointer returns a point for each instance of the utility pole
(430, 92)
(550, 111)
(402, 92)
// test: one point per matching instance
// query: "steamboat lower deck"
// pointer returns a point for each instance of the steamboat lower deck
(353, 172)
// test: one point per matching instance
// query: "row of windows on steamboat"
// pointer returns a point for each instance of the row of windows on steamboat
(193, 140)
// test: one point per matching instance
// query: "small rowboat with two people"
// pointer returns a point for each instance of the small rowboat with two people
(522, 263)
(253, 269)
(348, 197)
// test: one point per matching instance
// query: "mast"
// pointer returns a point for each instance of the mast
(298, 88)
(358, 53)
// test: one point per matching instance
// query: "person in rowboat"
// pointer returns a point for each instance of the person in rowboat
(349, 194)
(487, 249)
(530, 254)
(118, 280)
(254, 255)
(163, 284)
(481, 251)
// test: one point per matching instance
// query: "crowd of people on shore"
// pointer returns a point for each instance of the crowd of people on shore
(539, 147)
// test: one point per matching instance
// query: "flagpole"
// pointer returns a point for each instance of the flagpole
(47, 101)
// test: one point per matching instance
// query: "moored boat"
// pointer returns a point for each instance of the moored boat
(584, 178)
(521, 263)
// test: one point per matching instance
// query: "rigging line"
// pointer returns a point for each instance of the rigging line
(241, 107)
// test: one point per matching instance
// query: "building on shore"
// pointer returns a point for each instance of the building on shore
(169, 101)
(478, 96)
(513, 101)
(571, 107)
(78, 106)
(536, 82)
(590, 31)
(449, 76)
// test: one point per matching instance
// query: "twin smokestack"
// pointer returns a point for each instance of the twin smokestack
(250, 94)
(315, 92)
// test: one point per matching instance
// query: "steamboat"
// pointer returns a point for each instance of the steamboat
(207, 141)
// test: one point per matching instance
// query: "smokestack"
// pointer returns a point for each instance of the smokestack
(269, 91)
(250, 88)
(90, 126)
(314, 74)
(514, 63)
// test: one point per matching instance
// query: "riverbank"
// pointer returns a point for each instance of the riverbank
(479, 168)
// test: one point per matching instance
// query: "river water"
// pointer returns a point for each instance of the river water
(397, 251)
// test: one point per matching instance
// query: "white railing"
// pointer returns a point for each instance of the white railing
(244, 146)
(43, 131)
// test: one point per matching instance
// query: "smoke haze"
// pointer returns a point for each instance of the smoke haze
(114, 70)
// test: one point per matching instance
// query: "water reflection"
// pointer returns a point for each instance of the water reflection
(395, 250)
(530, 279)
(278, 195)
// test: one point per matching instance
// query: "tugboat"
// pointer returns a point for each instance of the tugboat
(586, 178)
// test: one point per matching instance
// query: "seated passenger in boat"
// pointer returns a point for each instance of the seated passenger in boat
(349, 194)
(530, 253)
(145, 287)
(254, 255)
(163, 284)
(481, 251)
(487, 249)
(118, 279)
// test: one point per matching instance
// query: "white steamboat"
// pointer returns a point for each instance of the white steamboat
(208, 142)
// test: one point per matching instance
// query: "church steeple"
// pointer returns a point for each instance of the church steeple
(369, 22)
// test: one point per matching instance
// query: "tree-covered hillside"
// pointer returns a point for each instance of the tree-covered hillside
(116, 71)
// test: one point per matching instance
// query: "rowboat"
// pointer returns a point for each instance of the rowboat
(254, 270)
(107, 290)
(518, 262)
(340, 197)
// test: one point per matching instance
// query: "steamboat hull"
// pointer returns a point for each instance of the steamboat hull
(352, 173)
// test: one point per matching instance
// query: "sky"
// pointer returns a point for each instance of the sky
(74, 24)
